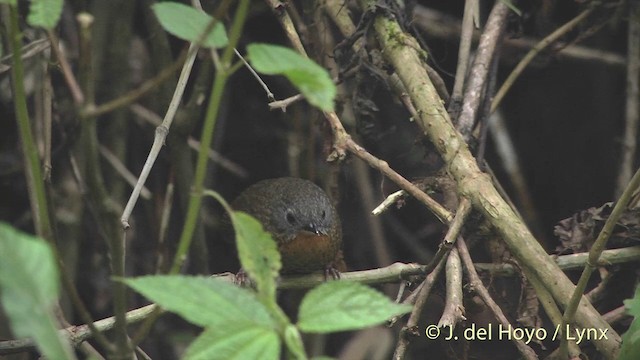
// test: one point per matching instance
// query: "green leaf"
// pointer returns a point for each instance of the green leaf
(345, 305)
(630, 348)
(235, 342)
(45, 13)
(203, 301)
(633, 305)
(189, 24)
(10, 2)
(258, 253)
(311, 79)
(29, 290)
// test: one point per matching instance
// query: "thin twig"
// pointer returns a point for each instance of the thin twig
(70, 79)
(283, 104)
(47, 104)
(455, 227)
(78, 333)
(480, 68)
(597, 248)
(453, 312)
(31, 49)
(439, 25)
(160, 135)
(544, 43)
(155, 120)
(571, 262)
(390, 200)
(632, 109)
(164, 226)
(256, 76)
(466, 37)
(363, 184)
(481, 290)
(410, 330)
(121, 169)
(279, 9)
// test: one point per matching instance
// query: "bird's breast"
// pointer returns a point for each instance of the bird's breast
(307, 252)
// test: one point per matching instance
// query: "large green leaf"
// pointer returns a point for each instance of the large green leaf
(235, 343)
(631, 339)
(345, 305)
(45, 13)
(189, 24)
(29, 290)
(203, 301)
(311, 79)
(258, 253)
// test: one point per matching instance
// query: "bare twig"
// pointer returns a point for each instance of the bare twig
(70, 79)
(480, 68)
(632, 109)
(283, 104)
(572, 261)
(453, 311)
(510, 161)
(279, 9)
(466, 36)
(455, 227)
(78, 333)
(160, 135)
(374, 224)
(442, 26)
(435, 123)
(47, 100)
(390, 200)
(123, 171)
(256, 76)
(410, 330)
(194, 144)
(550, 39)
(616, 314)
(479, 288)
(31, 49)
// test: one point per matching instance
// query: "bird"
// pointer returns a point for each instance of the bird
(302, 220)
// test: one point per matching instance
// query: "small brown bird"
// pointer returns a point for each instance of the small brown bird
(301, 219)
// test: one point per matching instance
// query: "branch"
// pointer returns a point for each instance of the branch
(481, 290)
(400, 51)
(439, 25)
(632, 110)
(480, 68)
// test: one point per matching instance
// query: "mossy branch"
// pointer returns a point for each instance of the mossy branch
(401, 51)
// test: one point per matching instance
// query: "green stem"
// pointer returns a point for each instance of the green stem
(217, 91)
(37, 194)
(597, 249)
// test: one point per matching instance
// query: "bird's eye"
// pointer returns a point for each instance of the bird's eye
(291, 219)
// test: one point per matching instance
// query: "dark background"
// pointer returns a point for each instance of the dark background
(565, 117)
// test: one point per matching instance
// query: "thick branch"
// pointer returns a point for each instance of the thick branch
(401, 52)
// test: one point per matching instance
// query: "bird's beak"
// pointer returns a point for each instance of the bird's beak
(313, 228)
